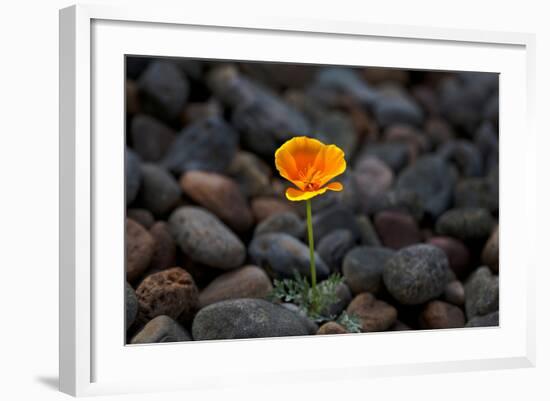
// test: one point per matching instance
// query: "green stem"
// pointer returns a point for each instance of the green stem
(311, 246)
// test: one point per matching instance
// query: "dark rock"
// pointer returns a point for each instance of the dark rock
(141, 216)
(281, 255)
(368, 233)
(286, 222)
(481, 293)
(133, 105)
(251, 173)
(132, 174)
(246, 282)
(161, 329)
(203, 237)
(140, 246)
(164, 255)
(336, 128)
(457, 253)
(164, 90)
(373, 179)
(219, 194)
(399, 326)
(150, 137)
(171, 292)
(396, 109)
(331, 328)
(438, 131)
(131, 303)
(378, 75)
(454, 293)
(333, 247)
(465, 156)
(431, 180)
(346, 199)
(208, 144)
(395, 155)
(247, 318)
(136, 65)
(486, 139)
(344, 296)
(231, 87)
(476, 193)
(441, 315)
(363, 267)
(159, 190)
(408, 135)
(199, 111)
(397, 229)
(334, 218)
(416, 274)
(488, 320)
(374, 315)
(407, 201)
(265, 206)
(467, 224)
(310, 324)
(490, 254)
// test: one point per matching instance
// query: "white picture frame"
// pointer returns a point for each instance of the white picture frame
(93, 357)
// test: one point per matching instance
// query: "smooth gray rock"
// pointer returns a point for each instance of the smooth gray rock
(247, 318)
(363, 267)
(488, 320)
(481, 293)
(286, 222)
(333, 247)
(159, 191)
(162, 329)
(467, 224)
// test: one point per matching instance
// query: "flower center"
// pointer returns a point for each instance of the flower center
(310, 177)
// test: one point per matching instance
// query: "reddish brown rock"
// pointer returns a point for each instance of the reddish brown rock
(219, 194)
(457, 253)
(141, 216)
(164, 255)
(397, 229)
(489, 256)
(139, 250)
(331, 328)
(245, 282)
(171, 292)
(265, 206)
(441, 315)
(374, 315)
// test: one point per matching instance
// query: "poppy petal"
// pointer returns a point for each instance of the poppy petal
(294, 194)
(335, 186)
(331, 162)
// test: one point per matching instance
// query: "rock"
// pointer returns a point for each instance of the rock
(373, 179)
(161, 329)
(150, 137)
(333, 247)
(133, 105)
(246, 318)
(378, 75)
(141, 216)
(438, 131)
(333, 83)
(333, 218)
(488, 320)
(164, 254)
(208, 144)
(331, 328)
(159, 191)
(219, 194)
(286, 222)
(399, 326)
(281, 255)
(251, 173)
(465, 156)
(363, 267)
(467, 224)
(490, 254)
(368, 235)
(171, 292)
(310, 324)
(140, 246)
(397, 229)
(401, 200)
(136, 65)
(336, 128)
(457, 253)
(132, 175)
(408, 135)
(481, 293)
(246, 282)
(416, 274)
(344, 296)
(397, 109)
(203, 237)
(486, 140)
(374, 315)
(164, 90)
(346, 199)
(201, 110)
(431, 180)
(454, 293)
(394, 155)
(476, 193)
(265, 206)
(441, 315)
(131, 303)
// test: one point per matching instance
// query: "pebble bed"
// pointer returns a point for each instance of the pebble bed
(414, 233)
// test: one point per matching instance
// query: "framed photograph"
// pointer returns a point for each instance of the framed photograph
(294, 200)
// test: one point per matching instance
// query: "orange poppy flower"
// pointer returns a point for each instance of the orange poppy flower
(310, 165)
